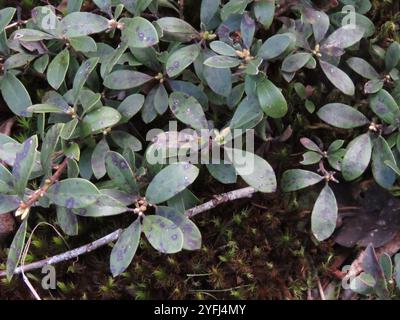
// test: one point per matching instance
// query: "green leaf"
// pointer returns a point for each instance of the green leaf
(58, 69)
(125, 140)
(7, 179)
(174, 29)
(170, 181)
(319, 21)
(392, 56)
(191, 89)
(130, 106)
(83, 44)
(23, 165)
(385, 261)
(324, 214)
(98, 159)
(18, 60)
(49, 146)
(253, 169)
(311, 157)
(120, 172)
(45, 108)
(381, 152)
(163, 234)
(181, 59)
(191, 234)
(295, 61)
(68, 129)
(397, 269)
(274, 46)
(310, 145)
(30, 35)
(393, 166)
(104, 206)
(222, 48)
(188, 110)
(67, 221)
(74, 5)
(125, 79)
(208, 10)
(139, 33)
(41, 63)
(8, 203)
(343, 37)
(271, 99)
(361, 21)
(219, 80)
(385, 107)
(15, 95)
(16, 248)
(73, 193)
(82, 75)
(71, 150)
(247, 115)
(297, 179)
(104, 5)
(357, 157)
(373, 86)
(125, 249)
(102, 118)
(363, 68)
(222, 62)
(233, 7)
(264, 11)
(342, 116)
(79, 24)
(6, 16)
(338, 78)
(161, 99)
(224, 173)
(247, 29)
(361, 6)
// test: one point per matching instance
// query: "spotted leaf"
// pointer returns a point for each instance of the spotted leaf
(164, 235)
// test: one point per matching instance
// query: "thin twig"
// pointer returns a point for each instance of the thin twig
(30, 287)
(321, 290)
(222, 198)
(15, 24)
(181, 4)
(34, 197)
(113, 236)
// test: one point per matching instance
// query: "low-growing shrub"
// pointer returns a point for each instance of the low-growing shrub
(98, 81)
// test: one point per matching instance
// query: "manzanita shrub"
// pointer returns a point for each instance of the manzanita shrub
(231, 72)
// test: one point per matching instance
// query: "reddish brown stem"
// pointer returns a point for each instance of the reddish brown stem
(34, 197)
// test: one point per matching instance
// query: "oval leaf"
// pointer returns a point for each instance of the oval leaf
(342, 116)
(170, 181)
(17, 245)
(271, 99)
(163, 234)
(73, 193)
(383, 175)
(188, 110)
(125, 248)
(139, 33)
(296, 179)
(253, 169)
(339, 79)
(125, 79)
(58, 69)
(357, 157)
(324, 214)
(181, 59)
